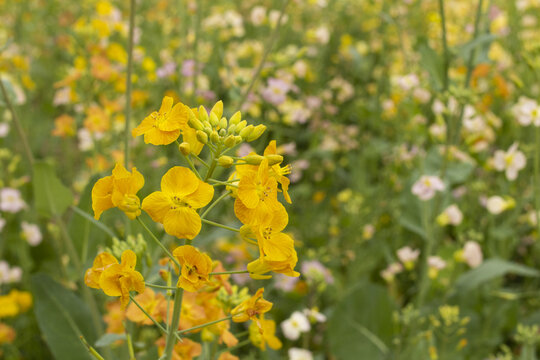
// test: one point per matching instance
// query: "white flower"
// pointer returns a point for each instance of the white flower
(421, 95)
(31, 233)
(314, 315)
(451, 215)
(14, 275)
(85, 140)
(436, 262)
(4, 129)
(258, 15)
(408, 256)
(300, 354)
(496, 204)
(391, 270)
(527, 111)
(407, 82)
(295, 325)
(11, 200)
(4, 272)
(511, 161)
(472, 253)
(426, 187)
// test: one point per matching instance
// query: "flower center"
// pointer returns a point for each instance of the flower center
(178, 202)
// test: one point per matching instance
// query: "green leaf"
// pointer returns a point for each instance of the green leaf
(432, 62)
(485, 39)
(492, 269)
(362, 324)
(109, 339)
(62, 318)
(52, 197)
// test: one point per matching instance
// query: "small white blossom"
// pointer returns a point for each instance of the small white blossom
(31, 233)
(4, 129)
(408, 256)
(472, 253)
(496, 204)
(527, 111)
(451, 215)
(295, 325)
(300, 354)
(511, 161)
(391, 271)
(314, 315)
(11, 200)
(426, 187)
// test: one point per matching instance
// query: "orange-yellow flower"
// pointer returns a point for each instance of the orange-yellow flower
(7, 334)
(153, 303)
(14, 303)
(251, 308)
(195, 267)
(174, 206)
(114, 318)
(279, 172)
(163, 127)
(262, 333)
(257, 196)
(64, 126)
(118, 190)
(185, 350)
(113, 278)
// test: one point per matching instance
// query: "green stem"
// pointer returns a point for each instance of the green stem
(224, 183)
(18, 125)
(219, 225)
(156, 240)
(229, 272)
(189, 162)
(171, 336)
(160, 286)
(223, 196)
(130, 347)
(204, 325)
(428, 248)
(205, 164)
(160, 327)
(537, 178)
(446, 61)
(91, 350)
(268, 48)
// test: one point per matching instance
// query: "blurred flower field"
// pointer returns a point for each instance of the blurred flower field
(269, 179)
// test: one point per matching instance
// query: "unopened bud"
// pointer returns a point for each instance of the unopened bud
(222, 132)
(217, 109)
(236, 118)
(253, 159)
(238, 139)
(256, 133)
(185, 148)
(214, 137)
(240, 126)
(246, 131)
(203, 115)
(193, 121)
(231, 129)
(202, 137)
(223, 123)
(274, 159)
(225, 161)
(214, 120)
(230, 141)
(164, 274)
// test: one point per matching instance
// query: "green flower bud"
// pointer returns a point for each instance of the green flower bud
(236, 118)
(253, 159)
(274, 159)
(256, 133)
(201, 136)
(214, 137)
(217, 109)
(240, 126)
(231, 129)
(246, 131)
(214, 120)
(203, 115)
(230, 141)
(193, 121)
(185, 148)
(225, 161)
(222, 132)
(223, 123)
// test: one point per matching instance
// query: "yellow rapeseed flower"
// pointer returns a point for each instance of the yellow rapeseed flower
(163, 127)
(174, 206)
(118, 190)
(195, 267)
(251, 308)
(262, 333)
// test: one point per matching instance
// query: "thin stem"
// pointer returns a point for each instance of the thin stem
(160, 327)
(130, 347)
(446, 61)
(229, 272)
(219, 225)
(18, 125)
(217, 182)
(204, 325)
(213, 164)
(189, 162)
(223, 196)
(171, 336)
(470, 61)
(128, 82)
(156, 240)
(91, 350)
(205, 164)
(537, 178)
(160, 286)
(268, 48)
(428, 248)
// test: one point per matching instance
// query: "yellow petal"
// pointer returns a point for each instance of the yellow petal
(157, 204)
(166, 104)
(179, 181)
(182, 222)
(108, 281)
(177, 118)
(271, 148)
(155, 136)
(101, 196)
(129, 259)
(201, 197)
(146, 125)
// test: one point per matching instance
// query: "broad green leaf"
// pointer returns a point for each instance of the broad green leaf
(109, 339)
(492, 269)
(62, 318)
(361, 323)
(485, 39)
(432, 62)
(52, 197)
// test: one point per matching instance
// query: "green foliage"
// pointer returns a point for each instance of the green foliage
(52, 198)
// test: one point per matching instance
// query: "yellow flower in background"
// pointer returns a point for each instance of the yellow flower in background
(119, 279)
(195, 267)
(118, 190)
(184, 350)
(14, 303)
(153, 303)
(163, 127)
(174, 206)
(262, 333)
(101, 262)
(257, 196)
(251, 308)
(7, 334)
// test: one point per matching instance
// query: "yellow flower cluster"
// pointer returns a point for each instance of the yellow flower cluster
(15, 303)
